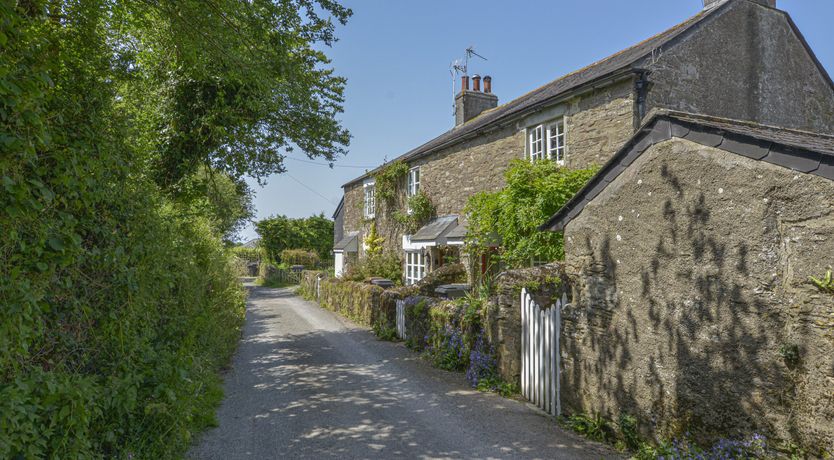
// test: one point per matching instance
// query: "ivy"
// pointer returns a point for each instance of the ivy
(388, 179)
(420, 211)
(512, 215)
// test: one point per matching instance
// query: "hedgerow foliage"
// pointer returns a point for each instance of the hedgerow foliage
(119, 302)
(533, 193)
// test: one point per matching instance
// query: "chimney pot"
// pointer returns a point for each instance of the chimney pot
(487, 84)
(464, 83)
(476, 82)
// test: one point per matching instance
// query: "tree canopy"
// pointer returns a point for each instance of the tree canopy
(278, 233)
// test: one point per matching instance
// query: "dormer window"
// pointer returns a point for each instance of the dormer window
(547, 141)
(370, 200)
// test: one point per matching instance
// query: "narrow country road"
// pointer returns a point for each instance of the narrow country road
(307, 384)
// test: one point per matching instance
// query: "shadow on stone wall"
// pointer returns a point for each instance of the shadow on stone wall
(687, 341)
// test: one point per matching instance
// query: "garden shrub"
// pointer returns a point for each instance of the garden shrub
(381, 265)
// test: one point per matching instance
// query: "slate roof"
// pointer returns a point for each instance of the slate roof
(349, 243)
(616, 64)
(457, 233)
(435, 229)
(801, 151)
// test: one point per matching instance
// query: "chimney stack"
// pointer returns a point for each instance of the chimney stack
(470, 104)
(711, 3)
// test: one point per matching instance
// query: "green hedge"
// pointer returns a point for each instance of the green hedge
(119, 307)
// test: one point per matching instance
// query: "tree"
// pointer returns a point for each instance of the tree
(225, 201)
(313, 233)
(227, 84)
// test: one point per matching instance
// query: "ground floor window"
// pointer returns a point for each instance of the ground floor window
(415, 267)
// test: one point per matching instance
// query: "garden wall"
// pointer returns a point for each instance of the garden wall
(504, 315)
(694, 308)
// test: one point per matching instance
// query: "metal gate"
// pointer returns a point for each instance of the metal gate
(540, 328)
(401, 319)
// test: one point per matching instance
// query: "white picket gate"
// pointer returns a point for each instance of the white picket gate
(540, 352)
(401, 319)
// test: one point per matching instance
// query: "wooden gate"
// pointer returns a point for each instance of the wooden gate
(401, 319)
(540, 328)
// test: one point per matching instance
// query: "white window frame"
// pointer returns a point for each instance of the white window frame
(556, 141)
(370, 200)
(548, 141)
(413, 181)
(415, 266)
(535, 142)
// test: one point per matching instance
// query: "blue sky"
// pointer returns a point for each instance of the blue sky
(396, 55)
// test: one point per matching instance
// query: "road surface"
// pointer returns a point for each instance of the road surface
(306, 383)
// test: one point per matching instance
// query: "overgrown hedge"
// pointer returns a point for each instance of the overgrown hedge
(118, 306)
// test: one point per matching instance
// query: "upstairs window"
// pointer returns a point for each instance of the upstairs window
(413, 181)
(547, 141)
(556, 142)
(370, 201)
(536, 147)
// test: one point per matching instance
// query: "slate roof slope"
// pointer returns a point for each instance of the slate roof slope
(802, 151)
(621, 61)
(349, 243)
(816, 142)
(435, 229)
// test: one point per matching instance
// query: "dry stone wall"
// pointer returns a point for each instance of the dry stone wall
(693, 308)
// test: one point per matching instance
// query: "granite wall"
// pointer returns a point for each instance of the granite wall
(693, 308)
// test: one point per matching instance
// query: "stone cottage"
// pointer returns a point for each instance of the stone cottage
(736, 59)
(691, 254)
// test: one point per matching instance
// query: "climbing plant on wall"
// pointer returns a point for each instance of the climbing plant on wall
(512, 215)
(388, 179)
(420, 210)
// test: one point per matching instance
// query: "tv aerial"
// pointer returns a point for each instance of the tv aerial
(460, 67)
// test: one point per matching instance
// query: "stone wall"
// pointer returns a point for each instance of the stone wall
(503, 318)
(599, 123)
(453, 175)
(692, 297)
(746, 63)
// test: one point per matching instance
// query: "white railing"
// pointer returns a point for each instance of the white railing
(540, 352)
(401, 319)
